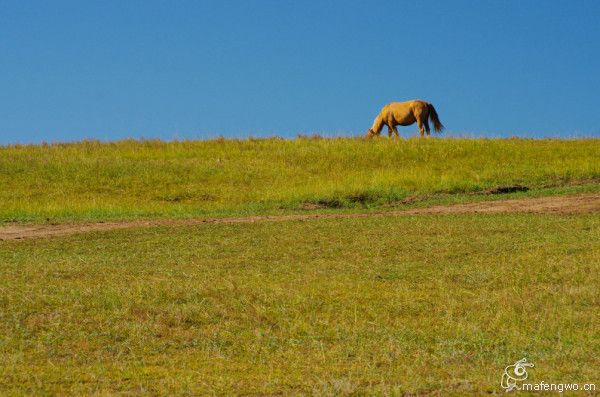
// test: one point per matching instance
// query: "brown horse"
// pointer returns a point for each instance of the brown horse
(406, 113)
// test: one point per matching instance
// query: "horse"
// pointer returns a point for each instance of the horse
(406, 113)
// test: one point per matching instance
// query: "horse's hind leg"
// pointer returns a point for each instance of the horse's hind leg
(426, 124)
(421, 129)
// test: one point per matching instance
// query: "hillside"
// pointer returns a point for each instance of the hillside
(129, 179)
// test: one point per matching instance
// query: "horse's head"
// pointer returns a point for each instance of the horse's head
(370, 133)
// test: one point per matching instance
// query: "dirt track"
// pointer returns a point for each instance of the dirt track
(582, 203)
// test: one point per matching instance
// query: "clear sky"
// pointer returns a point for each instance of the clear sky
(177, 69)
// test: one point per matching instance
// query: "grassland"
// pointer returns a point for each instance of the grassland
(425, 304)
(411, 305)
(130, 179)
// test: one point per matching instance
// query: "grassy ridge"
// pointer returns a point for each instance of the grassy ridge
(153, 178)
(430, 304)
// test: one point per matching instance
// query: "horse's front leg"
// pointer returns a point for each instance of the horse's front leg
(396, 132)
(390, 129)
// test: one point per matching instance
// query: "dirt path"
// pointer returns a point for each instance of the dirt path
(582, 203)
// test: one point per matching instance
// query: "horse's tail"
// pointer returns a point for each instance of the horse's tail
(437, 124)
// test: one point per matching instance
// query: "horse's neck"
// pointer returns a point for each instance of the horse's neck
(377, 124)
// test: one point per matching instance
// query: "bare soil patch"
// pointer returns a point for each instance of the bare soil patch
(575, 204)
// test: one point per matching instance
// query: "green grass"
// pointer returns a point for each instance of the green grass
(386, 306)
(423, 304)
(128, 179)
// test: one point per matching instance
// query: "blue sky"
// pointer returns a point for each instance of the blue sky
(109, 70)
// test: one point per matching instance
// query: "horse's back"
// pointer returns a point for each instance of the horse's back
(414, 105)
